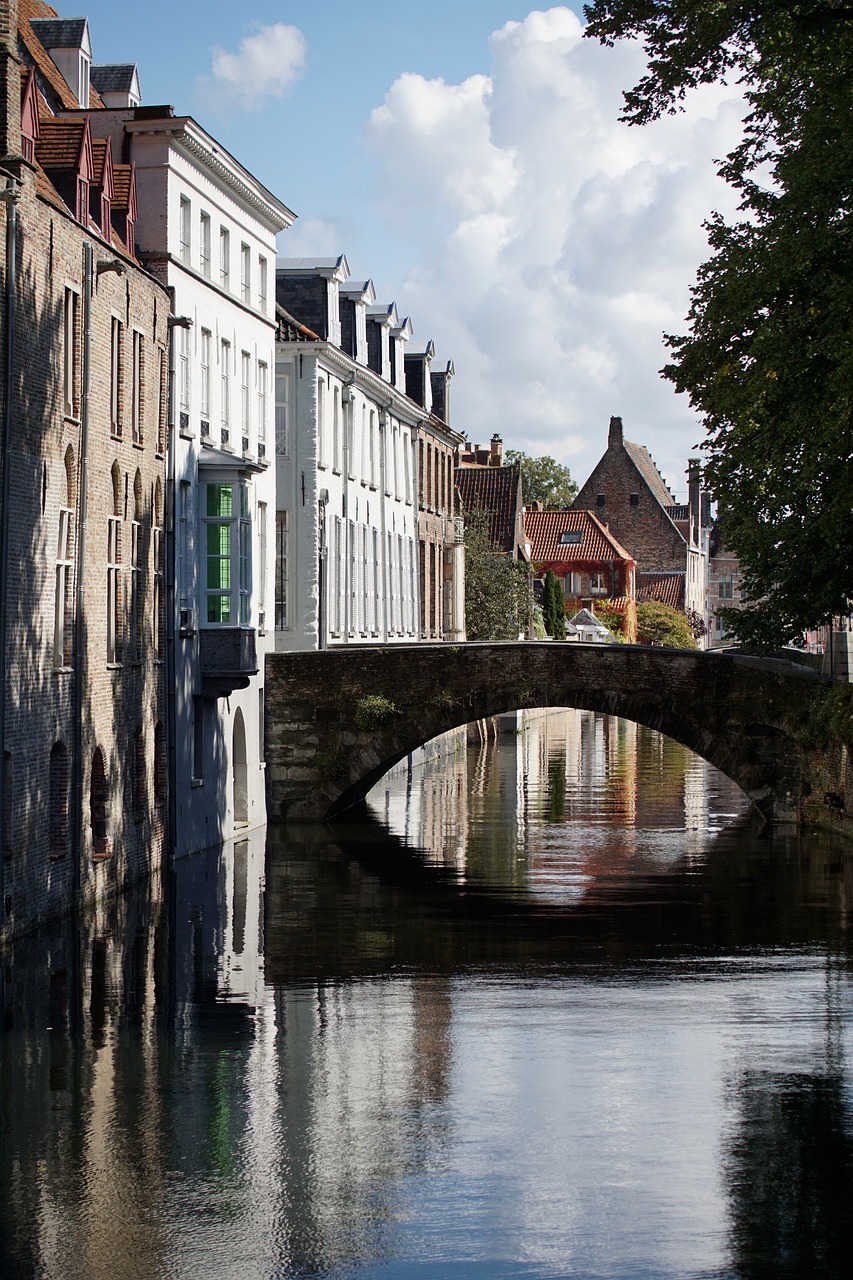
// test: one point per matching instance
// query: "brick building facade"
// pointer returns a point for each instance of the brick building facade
(84, 391)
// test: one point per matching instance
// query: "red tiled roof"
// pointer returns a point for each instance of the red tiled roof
(498, 491)
(544, 529)
(59, 143)
(668, 588)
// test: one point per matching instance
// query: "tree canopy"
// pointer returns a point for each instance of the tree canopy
(543, 480)
(768, 359)
(498, 599)
(660, 624)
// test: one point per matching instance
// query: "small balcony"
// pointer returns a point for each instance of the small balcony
(228, 659)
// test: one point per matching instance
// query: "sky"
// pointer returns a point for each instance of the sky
(467, 157)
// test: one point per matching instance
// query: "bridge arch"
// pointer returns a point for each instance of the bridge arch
(339, 719)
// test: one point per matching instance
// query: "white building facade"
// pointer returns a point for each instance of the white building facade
(207, 229)
(346, 540)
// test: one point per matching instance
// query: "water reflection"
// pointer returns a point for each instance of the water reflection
(586, 1022)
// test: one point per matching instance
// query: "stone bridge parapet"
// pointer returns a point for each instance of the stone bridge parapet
(338, 719)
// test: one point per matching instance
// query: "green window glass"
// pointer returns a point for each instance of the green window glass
(219, 501)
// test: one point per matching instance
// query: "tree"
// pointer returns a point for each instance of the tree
(768, 361)
(543, 480)
(554, 607)
(498, 599)
(660, 624)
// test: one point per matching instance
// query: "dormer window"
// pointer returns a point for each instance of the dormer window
(84, 71)
(82, 200)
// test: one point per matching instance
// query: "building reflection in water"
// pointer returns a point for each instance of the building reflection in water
(312, 1056)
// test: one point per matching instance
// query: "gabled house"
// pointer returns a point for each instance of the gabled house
(667, 540)
(484, 483)
(592, 566)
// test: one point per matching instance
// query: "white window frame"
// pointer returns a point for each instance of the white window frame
(204, 243)
(224, 258)
(245, 273)
(205, 358)
(64, 578)
(136, 377)
(185, 231)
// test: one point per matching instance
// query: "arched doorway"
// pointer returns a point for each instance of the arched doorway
(241, 772)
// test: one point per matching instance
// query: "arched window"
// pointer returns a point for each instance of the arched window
(136, 562)
(63, 615)
(241, 772)
(99, 808)
(157, 567)
(58, 793)
(114, 585)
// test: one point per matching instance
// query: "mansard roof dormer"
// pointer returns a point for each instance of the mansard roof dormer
(118, 84)
(381, 319)
(29, 114)
(417, 372)
(353, 298)
(440, 383)
(103, 188)
(400, 335)
(308, 289)
(64, 151)
(70, 48)
(123, 211)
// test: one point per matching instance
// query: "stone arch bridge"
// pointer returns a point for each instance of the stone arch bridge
(338, 719)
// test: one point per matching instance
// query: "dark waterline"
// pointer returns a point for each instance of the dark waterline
(563, 1012)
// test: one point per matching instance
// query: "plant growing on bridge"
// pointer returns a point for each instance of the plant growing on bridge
(373, 710)
(498, 598)
(660, 624)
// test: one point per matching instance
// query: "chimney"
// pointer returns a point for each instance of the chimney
(614, 436)
(496, 452)
(10, 81)
(694, 479)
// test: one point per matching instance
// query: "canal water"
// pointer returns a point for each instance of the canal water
(547, 1006)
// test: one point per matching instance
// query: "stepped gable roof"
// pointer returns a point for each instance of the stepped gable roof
(666, 588)
(592, 541)
(643, 461)
(496, 490)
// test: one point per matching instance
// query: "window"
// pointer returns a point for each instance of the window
(336, 430)
(159, 597)
(204, 243)
(64, 576)
(263, 380)
(407, 469)
(726, 589)
(114, 589)
(227, 554)
(349, 434)
(372, 448)
(597, 584)
(82, 200)
(135, 592)
(136, 388)
(245, 273)
(185, 550)
(281, 570)
(98, 796)
(224, 258)
(204, 389)
(225, 387)
(69, 365)
(571, 538)
(58, 790)
(262, 565)
(184, 374)
(634, 499)
(600, 500)
(572, 585)
(321, 422)
(262, 284)
(245, 392)
(115, 377)
(184, 230)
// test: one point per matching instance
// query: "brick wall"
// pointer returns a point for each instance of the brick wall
(643, 528)
(118, 699)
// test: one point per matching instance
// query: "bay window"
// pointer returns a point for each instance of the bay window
(228, 554)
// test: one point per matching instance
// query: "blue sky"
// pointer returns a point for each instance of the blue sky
(468, 158)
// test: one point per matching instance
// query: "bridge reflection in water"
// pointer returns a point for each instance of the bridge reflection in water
(608, 1034)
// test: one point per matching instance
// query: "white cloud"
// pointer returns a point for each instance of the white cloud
(550, 244)
(265, 66)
